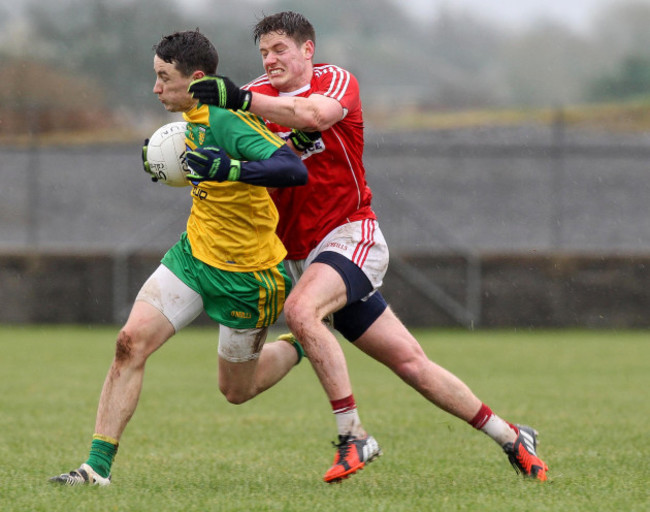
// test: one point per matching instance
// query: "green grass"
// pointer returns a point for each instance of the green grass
(186, 449)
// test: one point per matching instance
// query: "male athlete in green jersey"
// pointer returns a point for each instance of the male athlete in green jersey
(228, 262)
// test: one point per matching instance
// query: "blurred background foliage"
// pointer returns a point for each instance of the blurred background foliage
(87, 64)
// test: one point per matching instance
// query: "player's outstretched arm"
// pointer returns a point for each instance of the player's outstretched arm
(282, 169)
(311, 114)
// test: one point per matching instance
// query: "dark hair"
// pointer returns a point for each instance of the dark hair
(292, 24)
(189, 51)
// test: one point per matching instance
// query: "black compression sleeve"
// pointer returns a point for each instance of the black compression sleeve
(283, 169)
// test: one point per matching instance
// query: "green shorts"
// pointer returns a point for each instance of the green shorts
(240, 300)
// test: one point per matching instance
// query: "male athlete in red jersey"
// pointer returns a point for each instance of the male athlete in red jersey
(337, 191)
(337, 253)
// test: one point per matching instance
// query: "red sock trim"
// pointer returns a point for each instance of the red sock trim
(346, 404)
(481, 418)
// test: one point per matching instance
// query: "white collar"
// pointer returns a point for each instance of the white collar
(296, 92)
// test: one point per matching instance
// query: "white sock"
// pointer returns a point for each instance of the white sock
(348, 423)
(499, 430)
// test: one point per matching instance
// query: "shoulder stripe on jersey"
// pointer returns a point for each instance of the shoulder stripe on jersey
(258, 125)
(260, 80)
(324, 68)
(343, 87)
(340, 81)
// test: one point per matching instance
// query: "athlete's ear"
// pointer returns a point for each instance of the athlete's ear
(308, 49)
(197, 74)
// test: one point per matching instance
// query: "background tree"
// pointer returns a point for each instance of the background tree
(457, 60)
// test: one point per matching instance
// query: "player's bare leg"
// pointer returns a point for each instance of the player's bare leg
(388, 341)
(241, 381)
(319, 292)
(145, 331)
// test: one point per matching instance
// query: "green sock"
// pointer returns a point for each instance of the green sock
(299, 349)
(290, 338)
(102, 453)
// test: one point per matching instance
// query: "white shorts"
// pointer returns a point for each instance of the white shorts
(181, 305)
(361, 242)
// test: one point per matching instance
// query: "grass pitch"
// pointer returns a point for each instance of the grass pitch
(187, 449)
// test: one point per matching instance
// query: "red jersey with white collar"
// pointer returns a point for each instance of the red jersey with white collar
(336, 191)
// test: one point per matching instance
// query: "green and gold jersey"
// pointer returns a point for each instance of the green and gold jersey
(232, 224)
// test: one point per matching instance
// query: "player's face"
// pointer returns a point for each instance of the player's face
(171, 86)
(287, 65)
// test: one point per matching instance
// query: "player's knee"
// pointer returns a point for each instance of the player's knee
(233, 395)
(124, 346)
(298, 313)
(407, 370)
(410, 369)
(291, 306)
(235, 398)
(129, 347)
